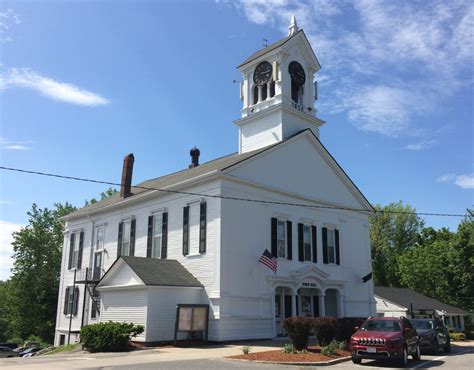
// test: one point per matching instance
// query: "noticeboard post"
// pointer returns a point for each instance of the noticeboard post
(191, 318)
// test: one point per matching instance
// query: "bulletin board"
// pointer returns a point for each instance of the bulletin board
(191, 318)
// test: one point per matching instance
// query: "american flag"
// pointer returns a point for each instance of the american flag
(268, 260)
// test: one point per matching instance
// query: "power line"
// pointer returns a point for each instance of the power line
(46, 174)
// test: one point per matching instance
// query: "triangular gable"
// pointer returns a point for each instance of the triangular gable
(120, 275)
(301, 166)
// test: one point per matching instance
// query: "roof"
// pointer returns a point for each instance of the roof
(161, 272)
(406, 297)
(218, 164)
(267, 49)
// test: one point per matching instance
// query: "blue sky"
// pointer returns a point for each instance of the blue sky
(83, 83)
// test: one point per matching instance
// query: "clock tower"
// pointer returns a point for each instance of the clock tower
(278, 91)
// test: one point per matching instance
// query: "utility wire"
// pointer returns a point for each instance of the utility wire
(46, 174)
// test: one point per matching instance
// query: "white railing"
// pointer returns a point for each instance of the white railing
(297, 106)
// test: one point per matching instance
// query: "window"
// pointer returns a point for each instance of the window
(281, 239)
(272, 89)
(97, 272)
(307, 242)
(71, 298)
(255, 94)
(75, 250)
(264, 91)
(157, 235)
(126, 238)
(331, 247)
(99, 238)
(95, 307)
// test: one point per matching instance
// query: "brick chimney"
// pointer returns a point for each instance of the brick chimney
(126, 187)
(194, 157)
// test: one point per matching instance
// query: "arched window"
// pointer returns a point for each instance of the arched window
(296, 92)
(255, 94)
(272, 89)
(264, 88)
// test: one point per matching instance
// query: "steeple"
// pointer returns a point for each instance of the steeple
(293, 28)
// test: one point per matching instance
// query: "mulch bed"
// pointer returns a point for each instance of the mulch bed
(313, 355)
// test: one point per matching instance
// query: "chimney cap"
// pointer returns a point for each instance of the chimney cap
(194, 152)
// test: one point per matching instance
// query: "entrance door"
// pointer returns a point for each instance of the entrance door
(288, 307)
(306, 306)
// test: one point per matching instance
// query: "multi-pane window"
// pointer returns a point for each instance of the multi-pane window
(307, 242)
(281, 239)
(71, 298)
(157, 235)
(331, 246)
(99, 239)
(126, 238)
(75, 250)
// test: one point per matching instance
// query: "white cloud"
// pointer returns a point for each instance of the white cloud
(421, 145)
(15, 145)
(465, 181)
(8, 18)
(418, 53)
(61, 91)
(6, 249)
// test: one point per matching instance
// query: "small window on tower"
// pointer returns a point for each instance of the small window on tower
(255, 94)
(272, 89)
(264, 88)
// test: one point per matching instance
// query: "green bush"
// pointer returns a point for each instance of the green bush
(457, 336)
(325, 329)
(16, 340)
(330, 349)
(109, 336)
(246, 350)
(298, 329)
(288, 348)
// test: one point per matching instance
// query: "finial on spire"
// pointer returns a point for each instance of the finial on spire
(293, 26)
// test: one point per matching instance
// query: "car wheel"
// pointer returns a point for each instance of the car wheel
(435, 347)
(404, 359)
(356, 360)
(417, 355)
(447, 347)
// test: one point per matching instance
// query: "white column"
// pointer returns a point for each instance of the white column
(293, 302)
(259, 93)
(340, 305)
(272, 305)
(322, 308)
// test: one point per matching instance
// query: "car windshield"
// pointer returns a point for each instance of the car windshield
(380, 325)
(422, 324)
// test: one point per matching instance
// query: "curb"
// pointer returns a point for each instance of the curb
(319, 363)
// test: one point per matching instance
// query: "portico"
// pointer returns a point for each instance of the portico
(306, 292)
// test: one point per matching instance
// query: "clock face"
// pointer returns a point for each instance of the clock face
(262, 73)
(297, 73)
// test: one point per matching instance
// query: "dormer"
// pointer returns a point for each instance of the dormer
(278, 91)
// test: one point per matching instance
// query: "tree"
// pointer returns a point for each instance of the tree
(105, 194)
(393, 229)
(33, 293)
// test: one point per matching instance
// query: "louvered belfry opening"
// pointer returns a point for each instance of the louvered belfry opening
(127, 171)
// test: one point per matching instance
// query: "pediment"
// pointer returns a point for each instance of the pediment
(120, 275)
(310, 272)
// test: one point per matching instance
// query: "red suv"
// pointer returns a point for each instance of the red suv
(385, 338)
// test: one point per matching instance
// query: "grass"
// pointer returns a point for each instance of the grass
(65, 348)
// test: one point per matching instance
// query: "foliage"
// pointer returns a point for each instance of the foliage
(105, 194)
(246, 350)
(65, 348)
(342, 345)
(288, 348)
(330, 349)
(16, 340)
(456, 337)
(298, 329)
(109, 336)
(346, 327)
(393, 229)
(325, 329)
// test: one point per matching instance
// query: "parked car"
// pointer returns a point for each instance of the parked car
(433, 335)
(9, 345)
(6, 352)
(30, 352)
(385, 338)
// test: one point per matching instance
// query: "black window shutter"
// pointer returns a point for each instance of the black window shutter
(186, 231)
(289, 242)
(164, 235)
(149, 241)
(315, 244)
(202, 227)
(66, 301)
(76, 301)
(336, 237)
(119, 239)
(133, 225)
(274, 237)
(81, 248)
(325, 245)
(300, 243)
(71, 251)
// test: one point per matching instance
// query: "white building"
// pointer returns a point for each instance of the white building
(308, 213)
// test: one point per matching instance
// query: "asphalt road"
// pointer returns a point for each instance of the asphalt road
(461, 357)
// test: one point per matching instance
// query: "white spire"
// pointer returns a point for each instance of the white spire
(293, 26)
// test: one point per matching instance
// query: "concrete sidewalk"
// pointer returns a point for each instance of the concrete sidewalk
(84, 360)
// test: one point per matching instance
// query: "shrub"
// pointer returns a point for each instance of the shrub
(298, 329)
(346, 327)
(246, 350)
(325, 329)
(109, 336)
(16, 340)
(288, 348)
(343, 346)
(457, 336)
(330, 349)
